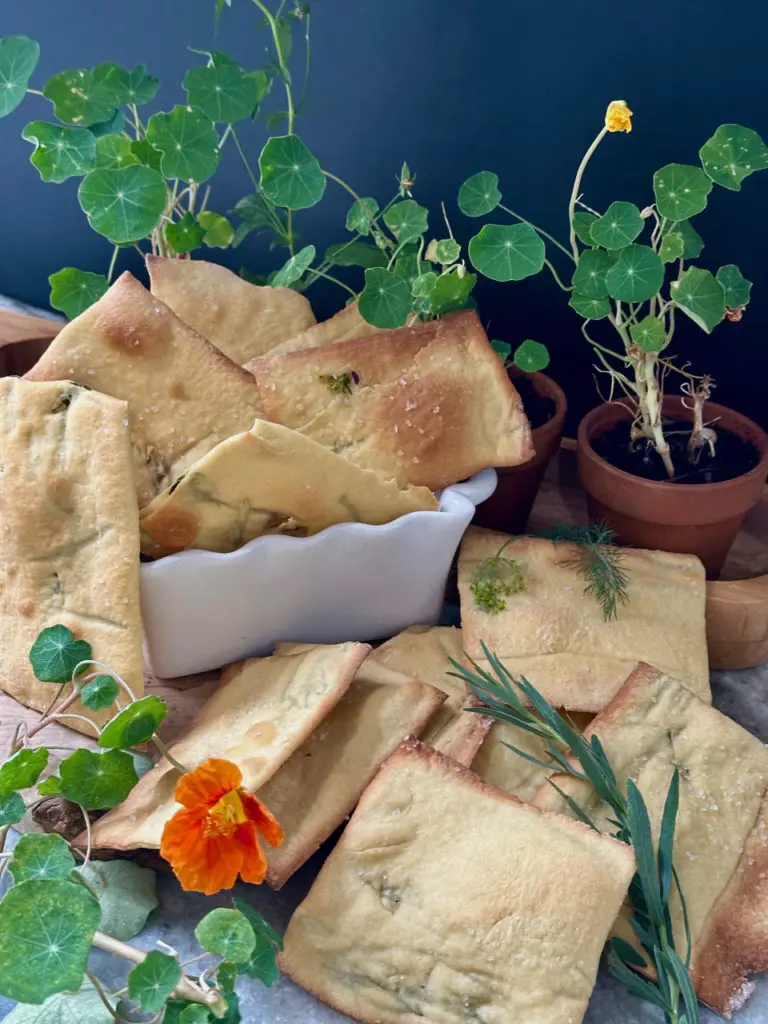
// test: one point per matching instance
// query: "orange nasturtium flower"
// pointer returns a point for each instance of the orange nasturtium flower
(618, 117)
(215, 836)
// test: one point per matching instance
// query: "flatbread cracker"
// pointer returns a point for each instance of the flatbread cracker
(721, 841)
(557, 637)
(184, 396)
(428, 405)
(448, 900)
(69, 537)
(342, 326)
(263, 710)
(241, 319)
(270, 479)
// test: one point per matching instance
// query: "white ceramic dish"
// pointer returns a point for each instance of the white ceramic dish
(202, 610)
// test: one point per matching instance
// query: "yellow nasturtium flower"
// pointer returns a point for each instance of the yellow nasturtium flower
(618, 117)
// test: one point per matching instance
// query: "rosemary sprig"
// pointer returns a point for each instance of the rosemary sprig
(508, 700)
(599, 562)
(496, 578)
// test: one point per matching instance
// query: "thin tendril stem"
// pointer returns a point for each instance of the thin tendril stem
(554, 273)
(576, 186)
(168, 755)
(536, 228)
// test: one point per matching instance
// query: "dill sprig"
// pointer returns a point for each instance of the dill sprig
(496, 579)
(598, 561)
(340, 383)
(508, 700)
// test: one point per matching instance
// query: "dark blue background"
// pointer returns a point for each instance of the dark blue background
(454, 87)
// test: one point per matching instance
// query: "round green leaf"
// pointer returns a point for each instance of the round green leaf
(126, 894)
(146, 154)
(386, 299)
(618, 227)
(41, 856)
(73, 291)
(589, 276)
(60, 152)
(590, 309)
(732, 154)
(228, 933)
(423, 284)
(18, 59)
(113, 151)
(83, 1007)
(649, 334)
(151, 982)
(50, 786)
(451, 291)
(223, 93)
(407, 220)
(12, 809)
(135, 724)
(693, 243)
(407, 265)
(531, 356)
(735, 287)
(360, 214)
(85, 97)
(503, 349)
(293, 270)
(290, 176)
(56, 654)
(194, 1013)
(355, 254)
(46, 928)
(681, 191)
(636, 275)
(100, 693)
(582, 226)
(219, 233)
(124, 204)
(188, 142)
(507, 253)
(114, 126)
(184, 235)
(140, 87)
(22, 769)
(672, 247)
(700, 296)
(97, 781)
(446, 251)
(479, 194)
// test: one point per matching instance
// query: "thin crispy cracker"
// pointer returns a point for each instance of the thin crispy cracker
(342, 326)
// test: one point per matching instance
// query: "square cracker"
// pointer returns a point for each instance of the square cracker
(721, 842)
(262, 711)
(446, 900)
(342, 326)
(183, 394)
(267, 480)
(432, 404)
(318, 787)
(557, 638)
(241, 319)
(69, 533)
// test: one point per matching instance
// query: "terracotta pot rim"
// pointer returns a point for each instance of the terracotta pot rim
(663, 486)
(551, 389)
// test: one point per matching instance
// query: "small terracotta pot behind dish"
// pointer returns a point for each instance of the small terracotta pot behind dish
(697, 519)
(508, 508)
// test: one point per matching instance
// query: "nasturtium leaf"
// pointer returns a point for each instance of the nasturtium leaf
(422, 285)
(188, 142)
(479, 194)
(359, 215)
(60, 152)
(85, 97)
(55, 654)
(734, 285)
(421, 305)
(219, 233)
(135, 724)
(590, 309)
(386, 299)
(507, 252)
(46, 928)
(531, 356)
(355, 254)
(184, 235)
(407, 220)
(672, 247)
(681, 191)
(100, 693)
(261, 964)
(649, 334)
(142, 763)
(446, 251)
(73, 291)
(146, 154)
(113, 151)
(451, 291)
(582, 226)
(123, 204)
(259, 923)
(693, 243)
(83, 1007)
(502, 348)
(126, 894)
(194, 1014)
(97, 781)
(50, 786)
(114, 126)
(22, 769)
(18, 59)
(153, 980)
(12, 809)
(589, 276)
(732, 154)
(637, 274)
(254, 211)
(290, 175)
(226, 976)
(618, 227)
(701, 296)
(140, 86)
(228, 933)
(294, 268)
(407, 265)
(41, 856)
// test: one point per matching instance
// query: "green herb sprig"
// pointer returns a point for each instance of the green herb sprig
(496, 579)
(598, 561)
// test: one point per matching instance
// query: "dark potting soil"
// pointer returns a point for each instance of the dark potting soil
(733, 455)
(538, 408)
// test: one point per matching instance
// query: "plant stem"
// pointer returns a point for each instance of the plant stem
(329, 277)
(112, 263)
(537, 229)
(344, 185)
(101, 993)
(274, 28)
(35, 92)
(577, 185)
(243, 157)
(168, 755)
(49, 719)
(565, 287)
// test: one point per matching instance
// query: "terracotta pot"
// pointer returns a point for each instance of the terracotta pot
(508, 508)
(697, 519)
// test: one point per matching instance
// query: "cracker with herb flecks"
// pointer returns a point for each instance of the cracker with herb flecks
(69, 537)
(269, 480)
(448, 900)
(428, 405)
(183, 394)
(241, 319)
(557, 637)
(342, 326)
(262, 711)
(653, 725)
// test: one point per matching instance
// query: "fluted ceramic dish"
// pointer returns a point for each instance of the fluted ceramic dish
(353, 581)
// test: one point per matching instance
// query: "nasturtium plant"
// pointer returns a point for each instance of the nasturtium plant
(290, 175)
(294, 268)
(135, 724)
(649, 334)
(507, 252)
(228, 933)
(224, 91)
(83, 1007)
(124, 203)
(636, 275)
(12, 809)
(735, 286)
(100, 693)
(114, 151)
(407, 221)
(97, 781)
(732, 154)
(618, 227)
(187, 141)
(218, 232)
(126, 893)
(360, 214)
(532, 356)
(589, 278)
(151, 982)
(18, 59)
(386, 299)
(41, 856)
(701, 296)
(479, 194)
(22, 769)
(61, 152)
(681, 191)
(56, 654)
(186, 234)
(73, 290)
